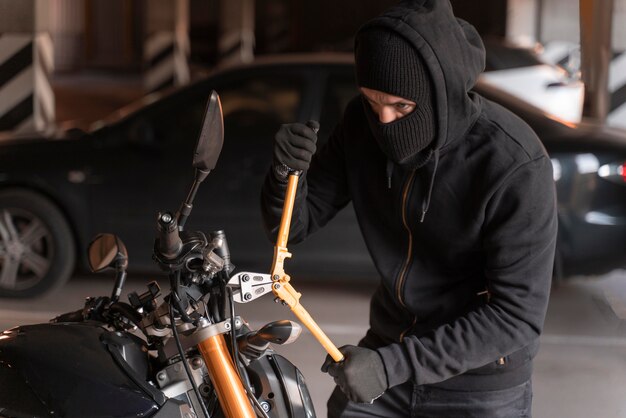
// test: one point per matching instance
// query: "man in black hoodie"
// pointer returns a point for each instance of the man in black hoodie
(455, 199)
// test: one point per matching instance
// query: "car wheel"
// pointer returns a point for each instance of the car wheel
(37, 252)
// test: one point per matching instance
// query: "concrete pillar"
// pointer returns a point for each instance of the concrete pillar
(617, 90)
(274, 32)
(617, 71)
(166, 45)
(522, 22)
(561, 35)
(619, 25)
(236, 42)
(596, 18)
(67, 29)
(26, 62)
(561, 22)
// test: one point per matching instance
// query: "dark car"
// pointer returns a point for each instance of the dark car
(57, 193)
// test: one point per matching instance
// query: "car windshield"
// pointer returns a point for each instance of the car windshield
(253, 106)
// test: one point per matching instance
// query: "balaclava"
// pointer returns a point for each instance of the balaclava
(386, 62)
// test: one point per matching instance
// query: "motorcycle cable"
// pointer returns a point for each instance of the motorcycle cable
(234, 351)
(175, 298)
(213, 402)
(181, 352)
(235, 354)
(131, 315)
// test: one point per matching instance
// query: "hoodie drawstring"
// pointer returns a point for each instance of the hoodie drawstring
(426, 201)
(389, 172)
(431, 184)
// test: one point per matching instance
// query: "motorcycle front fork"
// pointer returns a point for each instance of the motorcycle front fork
(230, 391)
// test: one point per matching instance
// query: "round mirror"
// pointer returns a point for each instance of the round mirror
(104, 251)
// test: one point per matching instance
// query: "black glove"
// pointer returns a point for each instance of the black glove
(294, 145)
(361, 376)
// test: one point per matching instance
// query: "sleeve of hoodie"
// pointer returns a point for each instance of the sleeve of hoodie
(322, 192)
(519, 242)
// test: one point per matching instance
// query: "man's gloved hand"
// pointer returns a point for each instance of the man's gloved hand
(361, 375)
(294, 146)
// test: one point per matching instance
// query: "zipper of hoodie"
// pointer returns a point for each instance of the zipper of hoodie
(405, 267)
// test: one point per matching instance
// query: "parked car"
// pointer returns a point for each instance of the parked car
(523, 73)
(56, 193)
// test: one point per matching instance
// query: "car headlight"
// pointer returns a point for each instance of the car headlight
(613, 172)
(557, 170)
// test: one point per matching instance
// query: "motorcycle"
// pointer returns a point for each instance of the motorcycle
(182, 354)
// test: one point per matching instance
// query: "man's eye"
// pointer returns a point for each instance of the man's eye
(402, 106)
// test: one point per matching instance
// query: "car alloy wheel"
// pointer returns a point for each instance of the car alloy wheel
(26, 249)
(37, 251)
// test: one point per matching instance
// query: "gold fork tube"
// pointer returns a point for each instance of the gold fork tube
(230, 392)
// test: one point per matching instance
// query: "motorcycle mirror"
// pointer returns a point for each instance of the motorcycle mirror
(107, 250)
(207, 152)
(211, 136)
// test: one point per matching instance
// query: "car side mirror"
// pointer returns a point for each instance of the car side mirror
(211, 136)
(107, 250)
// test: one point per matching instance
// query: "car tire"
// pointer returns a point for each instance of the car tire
(37, 249)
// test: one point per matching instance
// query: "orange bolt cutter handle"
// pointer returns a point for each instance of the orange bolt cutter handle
(282, 288)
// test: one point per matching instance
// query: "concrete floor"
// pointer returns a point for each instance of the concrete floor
(580, 371)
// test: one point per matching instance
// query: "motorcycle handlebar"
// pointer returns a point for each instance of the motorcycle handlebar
(222, 249)
(170, 244)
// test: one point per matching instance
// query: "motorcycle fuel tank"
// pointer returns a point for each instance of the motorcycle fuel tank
(74, 370)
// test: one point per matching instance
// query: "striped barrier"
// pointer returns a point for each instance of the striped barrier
(236, 38)
(26, 96)
(617, 89)
(236, 46)
(166, 60)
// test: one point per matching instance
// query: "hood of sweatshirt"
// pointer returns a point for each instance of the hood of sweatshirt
(454, 55)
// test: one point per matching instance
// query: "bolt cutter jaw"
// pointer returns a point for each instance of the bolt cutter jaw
(248, 286)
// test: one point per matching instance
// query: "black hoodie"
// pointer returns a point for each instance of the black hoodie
(464, 244)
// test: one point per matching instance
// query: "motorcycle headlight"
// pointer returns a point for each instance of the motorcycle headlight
(281, 386)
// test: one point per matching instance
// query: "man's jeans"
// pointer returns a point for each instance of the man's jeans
(412, 401)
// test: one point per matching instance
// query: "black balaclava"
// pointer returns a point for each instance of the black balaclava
(387, 62)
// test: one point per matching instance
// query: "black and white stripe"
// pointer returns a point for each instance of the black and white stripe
(26, 96)
(617, 90)
(166, 58)
(236, 40)
(236, 45)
